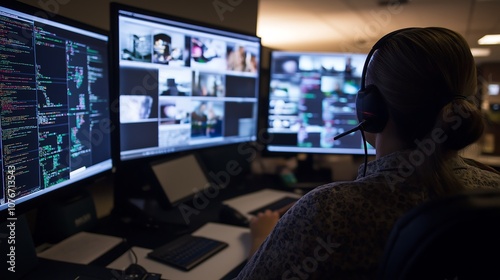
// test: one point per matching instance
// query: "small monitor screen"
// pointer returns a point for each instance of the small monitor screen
(55, 124)
(182, 85)
(312, 98)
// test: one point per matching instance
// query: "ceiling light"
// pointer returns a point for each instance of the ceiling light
(480, 52)
(492, 39)
(493, 89)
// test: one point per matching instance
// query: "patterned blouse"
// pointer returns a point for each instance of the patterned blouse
(338, 230)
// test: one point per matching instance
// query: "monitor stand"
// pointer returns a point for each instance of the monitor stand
(152, 209)
(66, 216)
(307, 175)
(148, 213)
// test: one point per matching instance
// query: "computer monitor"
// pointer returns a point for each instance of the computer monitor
(312, 98)
(55, 124)
(181, 85)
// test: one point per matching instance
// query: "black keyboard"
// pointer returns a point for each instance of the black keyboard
(187, 251)
(275, 205)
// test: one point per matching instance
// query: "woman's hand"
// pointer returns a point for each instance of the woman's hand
(260, 227)
(263, 223)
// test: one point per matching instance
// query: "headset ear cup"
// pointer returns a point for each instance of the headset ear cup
(371, 108)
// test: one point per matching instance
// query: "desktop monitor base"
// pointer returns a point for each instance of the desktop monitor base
(148, 213)
(63, 218)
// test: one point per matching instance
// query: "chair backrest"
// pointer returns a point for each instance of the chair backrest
(455, 238)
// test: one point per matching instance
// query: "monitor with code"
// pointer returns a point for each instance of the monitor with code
(55, 121)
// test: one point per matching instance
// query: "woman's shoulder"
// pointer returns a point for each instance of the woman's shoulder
(337, 195)
(478, 175)
(481, 166)
(351, 199)
(347, 189)
(333, 190)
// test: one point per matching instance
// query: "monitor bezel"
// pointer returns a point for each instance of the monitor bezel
(70, 189)
(115, 66)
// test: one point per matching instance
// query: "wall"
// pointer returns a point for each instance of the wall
(240, 15)
(489, 73)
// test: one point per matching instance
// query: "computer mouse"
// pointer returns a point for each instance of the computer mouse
(135, 269)
(231, 216)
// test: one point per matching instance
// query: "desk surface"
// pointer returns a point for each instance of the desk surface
(142, 238)
(216, 267)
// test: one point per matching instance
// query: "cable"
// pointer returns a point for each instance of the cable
(134, 255)
(366, 151)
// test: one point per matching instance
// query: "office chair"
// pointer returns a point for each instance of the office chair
(453, 238)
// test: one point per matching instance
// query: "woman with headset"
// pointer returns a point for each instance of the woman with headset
(416, 107)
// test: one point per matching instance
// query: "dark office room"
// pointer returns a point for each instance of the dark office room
(250, 139)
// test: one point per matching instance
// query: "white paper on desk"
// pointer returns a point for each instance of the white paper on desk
(215, 267)
(252, 201)
(81, 248)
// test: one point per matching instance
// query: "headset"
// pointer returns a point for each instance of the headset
(371, 109)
